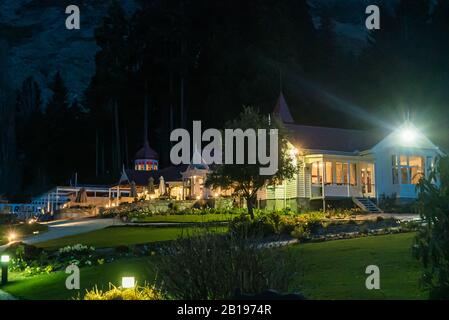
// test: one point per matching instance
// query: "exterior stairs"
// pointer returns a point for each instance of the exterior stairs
(366, 205)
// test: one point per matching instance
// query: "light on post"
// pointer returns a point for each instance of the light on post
(12, 236)
(4, 263)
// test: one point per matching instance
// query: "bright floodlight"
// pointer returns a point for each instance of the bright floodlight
(128, 282)
(12, 236)
(5, 259)
(408, 135)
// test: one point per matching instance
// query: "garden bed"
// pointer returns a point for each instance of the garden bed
(331, 270)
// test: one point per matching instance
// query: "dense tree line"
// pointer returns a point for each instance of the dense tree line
(204, 60)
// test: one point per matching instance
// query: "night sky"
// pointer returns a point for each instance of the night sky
(68, 90)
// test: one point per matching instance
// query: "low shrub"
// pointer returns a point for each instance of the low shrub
(301, 232)
(138, 293)
(215, 266)
(31, 260)
(122, 249)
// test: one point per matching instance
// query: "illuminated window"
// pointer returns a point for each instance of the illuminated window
(407, 169)
(416, 168)
(317, 177)
(341, 173)
(353, 174)
(329, 176)
(405, 175)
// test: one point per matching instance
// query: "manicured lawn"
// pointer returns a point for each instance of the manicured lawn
(21, 230)
(116, 236)
(336, 269)
(332, 270)
(189, 218)
(52, 286)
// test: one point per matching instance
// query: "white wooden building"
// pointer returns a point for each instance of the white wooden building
(361, 166)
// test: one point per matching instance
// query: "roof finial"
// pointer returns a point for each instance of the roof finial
(145, 116)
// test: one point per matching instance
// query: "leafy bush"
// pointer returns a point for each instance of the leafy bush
(214, 266)
(31, 260)
(432, 241)
(301, 232)
(261, 226)
(77, 254)
(391, 204)
(138, 293)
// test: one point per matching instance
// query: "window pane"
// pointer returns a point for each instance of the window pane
(329, 176)
(345, 173)
(339, 172)
(405, 175)
(394, 160)
(429, 165)
(416, 175)
(353, 174)
(316, 174)
(416, 161)
(403, 160)
(395, 176)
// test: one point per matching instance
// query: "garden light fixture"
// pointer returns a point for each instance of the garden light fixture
(4, 263)
(128, 282)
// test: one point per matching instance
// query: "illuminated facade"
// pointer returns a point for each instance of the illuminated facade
(146, 159)
(362, 166)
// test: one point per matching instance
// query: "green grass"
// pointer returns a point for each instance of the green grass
(52, 286)
(336, 269)
(332, 270)
(189, 218)
(117, 236)
(21, 230)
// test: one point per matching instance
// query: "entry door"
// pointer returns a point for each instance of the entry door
(367, 180)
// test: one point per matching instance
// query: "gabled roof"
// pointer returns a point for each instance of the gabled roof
(146, 153)
(170, 174)
(332, 139)
(282, 111)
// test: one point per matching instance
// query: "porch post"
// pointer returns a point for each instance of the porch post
(285, 194)
(322, 186)
(348, 174)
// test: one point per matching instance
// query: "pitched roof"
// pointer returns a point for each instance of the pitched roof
(146, 153)
(282, 111)
(333, 139)
(172, 173)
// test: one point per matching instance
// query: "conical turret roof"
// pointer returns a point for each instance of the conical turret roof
(282, 111)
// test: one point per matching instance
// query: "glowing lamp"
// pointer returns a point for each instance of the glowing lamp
(4, 262)
(12, 236)
(408, 135)
(128, 282)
